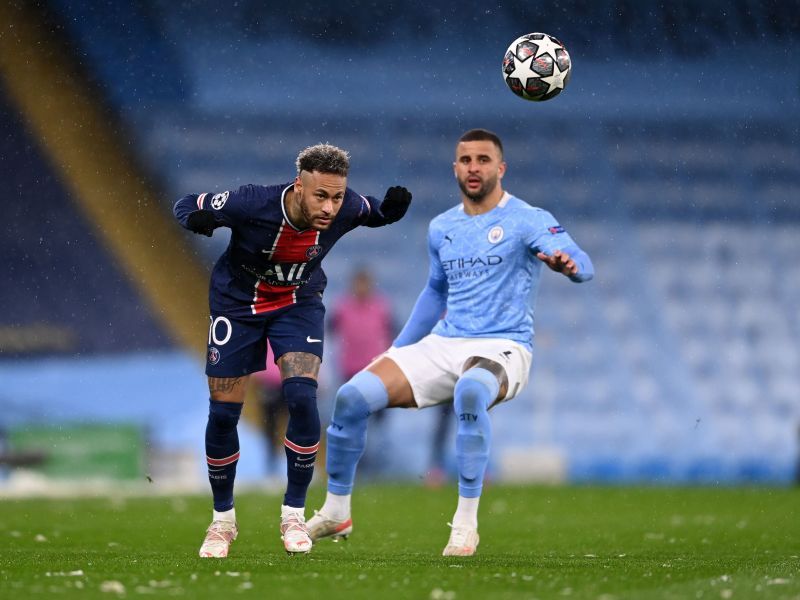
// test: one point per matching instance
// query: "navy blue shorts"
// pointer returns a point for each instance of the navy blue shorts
(238, 345)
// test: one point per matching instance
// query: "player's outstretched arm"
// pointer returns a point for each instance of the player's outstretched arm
(393, 208)
(194, 219)
(429, 308)
(570, 261)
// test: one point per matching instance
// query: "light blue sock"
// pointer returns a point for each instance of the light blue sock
(355, 401)
(475, 390)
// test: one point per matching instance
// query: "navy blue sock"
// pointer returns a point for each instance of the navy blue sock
(222, 451)
(302, 437)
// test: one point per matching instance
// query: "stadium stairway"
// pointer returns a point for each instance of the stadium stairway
(132, 259)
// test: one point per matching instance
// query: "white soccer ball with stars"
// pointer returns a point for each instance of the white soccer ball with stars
(536, 67)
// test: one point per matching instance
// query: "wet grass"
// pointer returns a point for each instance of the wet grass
(536, 542)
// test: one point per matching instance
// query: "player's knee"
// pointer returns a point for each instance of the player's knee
(300, 395)
(475, 390)
(350, 407)
(359, 397)
(224, 415)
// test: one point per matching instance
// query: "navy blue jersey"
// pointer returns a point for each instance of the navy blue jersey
(269, 263)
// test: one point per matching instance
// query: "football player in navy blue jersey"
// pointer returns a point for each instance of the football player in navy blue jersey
(268, 284)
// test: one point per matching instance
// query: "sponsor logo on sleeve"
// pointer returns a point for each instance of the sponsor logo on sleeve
(556, 229)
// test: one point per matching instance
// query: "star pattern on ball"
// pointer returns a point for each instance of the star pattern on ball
(546, 45)
(522, 70)
(556, 80)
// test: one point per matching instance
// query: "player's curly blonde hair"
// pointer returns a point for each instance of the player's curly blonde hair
(323, 158)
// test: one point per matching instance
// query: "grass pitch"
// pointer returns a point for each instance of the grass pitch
(536, 542)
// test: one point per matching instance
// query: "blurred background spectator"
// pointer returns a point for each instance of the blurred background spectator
(361, 320)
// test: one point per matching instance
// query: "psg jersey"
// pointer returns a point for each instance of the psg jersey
(269, 262)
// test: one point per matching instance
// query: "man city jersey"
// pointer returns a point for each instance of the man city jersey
(269, 263)
(490, 267)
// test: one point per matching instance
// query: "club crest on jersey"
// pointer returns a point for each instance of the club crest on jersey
(213, 356)
(496, 234)
(313, 251)
(219, 200)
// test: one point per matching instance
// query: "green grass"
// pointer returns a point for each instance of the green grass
(536, 542)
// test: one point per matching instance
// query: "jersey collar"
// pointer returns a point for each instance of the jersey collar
(283, 208)
(503, 201)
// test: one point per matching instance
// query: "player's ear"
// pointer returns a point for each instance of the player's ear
(501, 170)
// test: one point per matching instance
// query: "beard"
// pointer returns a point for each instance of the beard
(478, 196)
(310, 218)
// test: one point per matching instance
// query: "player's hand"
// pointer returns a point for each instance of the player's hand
(395, 203)
(560, 262)
(202, 222)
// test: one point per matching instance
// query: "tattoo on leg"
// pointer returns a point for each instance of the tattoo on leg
(225, 385)
(299, 364)
(495, 368)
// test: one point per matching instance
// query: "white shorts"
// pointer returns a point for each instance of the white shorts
(434, 364)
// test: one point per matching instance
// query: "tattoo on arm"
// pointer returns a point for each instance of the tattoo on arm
(299, 364)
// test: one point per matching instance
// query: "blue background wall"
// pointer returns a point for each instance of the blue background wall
(672, 157)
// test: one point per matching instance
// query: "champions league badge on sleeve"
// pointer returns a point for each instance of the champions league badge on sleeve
(219, 200)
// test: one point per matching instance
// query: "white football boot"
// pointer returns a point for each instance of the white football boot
(463, 541)
(219, 537)
(294, 533)
(320, 526)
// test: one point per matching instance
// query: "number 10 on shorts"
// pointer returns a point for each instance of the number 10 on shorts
(219, 325)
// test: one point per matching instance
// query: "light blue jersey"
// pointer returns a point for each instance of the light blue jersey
(483, 270)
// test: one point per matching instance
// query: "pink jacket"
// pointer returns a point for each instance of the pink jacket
(364, 329)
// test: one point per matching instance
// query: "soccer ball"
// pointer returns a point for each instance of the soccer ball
(536, 67)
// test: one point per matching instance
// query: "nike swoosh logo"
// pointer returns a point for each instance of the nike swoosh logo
(311, 340)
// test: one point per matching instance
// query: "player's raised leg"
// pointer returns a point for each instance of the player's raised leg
(382, 385)
(299, 371)
(475, 391)
(222, 455)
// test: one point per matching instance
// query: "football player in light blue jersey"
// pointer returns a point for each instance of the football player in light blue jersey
(468, 339)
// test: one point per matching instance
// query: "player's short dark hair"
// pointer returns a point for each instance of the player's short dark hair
(324, 158)
(482, 135)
